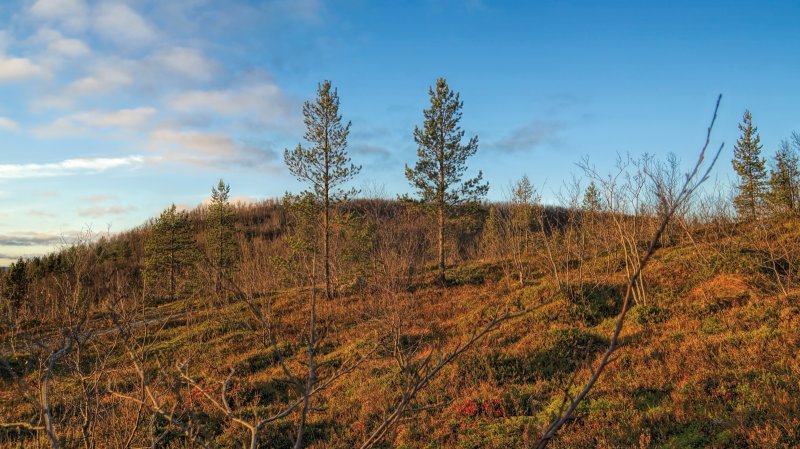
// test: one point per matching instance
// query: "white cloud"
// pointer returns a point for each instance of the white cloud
(186, 62)
(63, 126)
(68, 47)
(68, 167)
(123, 118)
(8, 124)
(264, 101)
(207, 149)
(534, 135)
(102, 78)
(200, 144)
(122, 25)
(58, 45)
(79, 123)
(31, 239)
(100, 211)
(73, 14)
(19, 69)
(100, 197)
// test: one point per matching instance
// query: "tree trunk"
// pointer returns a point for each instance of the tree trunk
(172, 268)
(442, 196)
(326, 249)
(218, 271)
(442, 278)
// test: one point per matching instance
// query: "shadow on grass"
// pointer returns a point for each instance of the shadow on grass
(561, 352)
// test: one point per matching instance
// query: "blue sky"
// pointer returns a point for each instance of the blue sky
(114, 109)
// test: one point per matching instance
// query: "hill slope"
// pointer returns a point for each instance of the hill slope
(708, 359)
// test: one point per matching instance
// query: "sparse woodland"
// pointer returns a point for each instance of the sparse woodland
(648, 308)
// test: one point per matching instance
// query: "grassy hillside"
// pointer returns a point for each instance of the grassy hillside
(709, 354)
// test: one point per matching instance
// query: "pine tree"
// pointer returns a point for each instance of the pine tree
(493, 235)
(442, 158)
(591, 198)
(751, 168)
(170, 252)
(523, 199)
(221, 234)
(784, 180)
(15, 282)
(325, 165)
(302, 211)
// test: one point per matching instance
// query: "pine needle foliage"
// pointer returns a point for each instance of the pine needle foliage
(170, 253)
(751, 168)
(442, 160)
(591, 198)
(325, 165)
(784, 180)
(222, 234)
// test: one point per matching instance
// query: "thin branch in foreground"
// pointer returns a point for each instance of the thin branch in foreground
(691, 183)
(425, 373)
(151, 399)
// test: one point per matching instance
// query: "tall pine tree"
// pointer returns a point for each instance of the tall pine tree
(170, 253)
(521, 211)
(751, 168)
(221, 234)
(442, 160)
(325, 165)
(784, 179)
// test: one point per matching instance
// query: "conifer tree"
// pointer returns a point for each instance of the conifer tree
(523, 201)
(591, 198)
(15, 282)
(442, 160)
(325, 165)
(751, 168)
(302, 237)
(170, 252)
(784, 180)
(523, 198)
(221, 234)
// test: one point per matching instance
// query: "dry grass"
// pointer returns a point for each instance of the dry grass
(710, 360)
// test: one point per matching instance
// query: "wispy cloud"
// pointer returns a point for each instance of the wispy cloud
(102, 211)
(184, 61)
(533, 135)
(8, 124)
(119, 23)
(58, 46)
(78, 123)
(122, 118)
(72, 14)
(102, 78)
(32, 239)
(264, 100)
(68, 167)
(41, 213)
(20, 69)
(204, 149)
(100, 197)
(368, 149)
